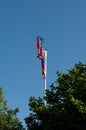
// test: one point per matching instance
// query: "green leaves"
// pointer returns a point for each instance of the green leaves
(66, 103)
(8, 117)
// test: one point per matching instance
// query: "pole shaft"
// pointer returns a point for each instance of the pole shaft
(45, 91)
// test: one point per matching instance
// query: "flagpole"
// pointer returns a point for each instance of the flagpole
(45, 83)
(45, 79)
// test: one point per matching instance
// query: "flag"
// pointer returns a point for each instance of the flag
(40, 47)
(44, 65)
(42, 55)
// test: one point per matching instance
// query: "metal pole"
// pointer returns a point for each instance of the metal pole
(45, 91)
(45, 80)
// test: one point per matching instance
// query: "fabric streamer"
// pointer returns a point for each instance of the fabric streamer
(42, 55)
(39, 48)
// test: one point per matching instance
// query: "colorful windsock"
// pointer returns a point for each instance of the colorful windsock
(39, 47)
(42, 55)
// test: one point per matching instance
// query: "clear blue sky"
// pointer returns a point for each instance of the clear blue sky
(62, 23)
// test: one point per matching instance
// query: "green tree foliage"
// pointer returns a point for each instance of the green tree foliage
(66, 103)
(8, 117)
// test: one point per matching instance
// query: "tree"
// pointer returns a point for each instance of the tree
(8, 117)
(66, 103)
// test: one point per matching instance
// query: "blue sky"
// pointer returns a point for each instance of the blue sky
(62, 23)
